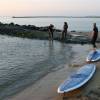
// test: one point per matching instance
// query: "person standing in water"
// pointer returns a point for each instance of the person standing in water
(64, 32)
(94, 36)
(51, 30)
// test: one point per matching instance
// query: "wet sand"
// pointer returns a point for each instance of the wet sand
(46, 88)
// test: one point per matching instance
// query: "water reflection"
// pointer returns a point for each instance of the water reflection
(24, 61)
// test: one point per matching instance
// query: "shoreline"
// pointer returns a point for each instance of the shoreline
(55, 16)
(46, 88)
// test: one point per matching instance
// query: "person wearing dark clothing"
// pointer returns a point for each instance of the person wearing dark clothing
(64, 32)
(94, 35)
(51, 30)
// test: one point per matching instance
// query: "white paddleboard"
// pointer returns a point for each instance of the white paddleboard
(78, 79)
(93, 56)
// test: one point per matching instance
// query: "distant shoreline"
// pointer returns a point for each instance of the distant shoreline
(55, 16)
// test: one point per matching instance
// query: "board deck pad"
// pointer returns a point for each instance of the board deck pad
(78, 79)
(93, 56)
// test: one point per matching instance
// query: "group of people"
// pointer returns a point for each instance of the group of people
(64, 33)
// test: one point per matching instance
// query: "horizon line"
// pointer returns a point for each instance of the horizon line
(56, 16)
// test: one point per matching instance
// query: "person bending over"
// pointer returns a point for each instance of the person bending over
(51, 30)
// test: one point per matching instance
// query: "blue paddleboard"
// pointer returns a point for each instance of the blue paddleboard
(93, 56)
(78, 79)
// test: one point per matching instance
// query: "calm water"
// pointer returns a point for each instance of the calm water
(24, 61)
(78, 24)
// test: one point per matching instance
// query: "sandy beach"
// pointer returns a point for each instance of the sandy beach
(46, 88)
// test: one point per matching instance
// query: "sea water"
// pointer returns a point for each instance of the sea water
(76, 24)
(25, 61)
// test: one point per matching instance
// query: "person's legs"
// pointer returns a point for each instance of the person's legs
(62, 35)
(49, 36)
(52, 35)
(65, 33)
(94, 45)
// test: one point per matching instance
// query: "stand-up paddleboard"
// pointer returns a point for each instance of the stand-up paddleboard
(93, 56)
(78, 79)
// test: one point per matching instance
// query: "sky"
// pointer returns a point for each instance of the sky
(49, 7)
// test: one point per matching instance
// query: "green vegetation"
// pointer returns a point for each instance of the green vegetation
(34, 32)
(24, 31)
